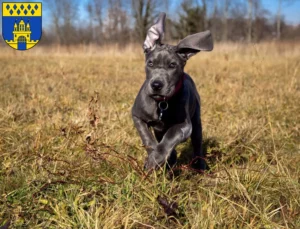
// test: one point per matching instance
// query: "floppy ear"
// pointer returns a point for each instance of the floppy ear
(195, 43)
(155, 33)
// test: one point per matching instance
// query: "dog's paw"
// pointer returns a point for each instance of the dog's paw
(153, 162)
(200, 164)
(148, 165)
(157, 157)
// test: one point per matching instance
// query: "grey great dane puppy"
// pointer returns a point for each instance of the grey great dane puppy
(168, 101)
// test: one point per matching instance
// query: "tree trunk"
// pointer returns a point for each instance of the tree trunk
(225, 20)
(278, 34)
(214, 20)
(204, 6)
(142, 12)
(249, 35)
(98, 13)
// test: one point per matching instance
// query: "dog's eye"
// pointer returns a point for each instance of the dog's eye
(172, 65)
(150, 64)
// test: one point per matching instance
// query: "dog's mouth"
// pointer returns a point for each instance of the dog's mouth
(166, 95)
(157, 96)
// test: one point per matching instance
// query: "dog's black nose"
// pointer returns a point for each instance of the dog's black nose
(157, 85)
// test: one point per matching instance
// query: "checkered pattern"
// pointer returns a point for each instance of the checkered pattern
(22, 9)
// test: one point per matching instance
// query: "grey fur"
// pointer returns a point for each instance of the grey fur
(164, 69)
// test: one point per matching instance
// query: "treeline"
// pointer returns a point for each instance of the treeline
(126, 21)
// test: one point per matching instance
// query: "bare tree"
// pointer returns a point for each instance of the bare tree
(235, 20)
(55, 12)
(94, 9)
(64, 13)
(225, 20)
(192, 18)
(279, 15)
(117, 29)
(204, 7)
(69, 15)
(214, 16)
(249, 34)
(90, 11)
(278, 20)
(98, 12)
(143, 12)
(261, 27)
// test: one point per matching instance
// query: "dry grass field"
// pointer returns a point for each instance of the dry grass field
(70, 156)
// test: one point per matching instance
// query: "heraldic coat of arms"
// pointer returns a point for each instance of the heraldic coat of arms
(21, 24)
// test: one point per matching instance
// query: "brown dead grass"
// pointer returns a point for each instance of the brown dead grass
(71, 158)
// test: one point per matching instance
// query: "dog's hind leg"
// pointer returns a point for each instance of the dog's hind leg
(196, 137)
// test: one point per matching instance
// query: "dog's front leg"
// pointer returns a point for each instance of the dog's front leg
(175, 135)
(147, 137)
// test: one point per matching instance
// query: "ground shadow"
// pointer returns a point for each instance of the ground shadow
(211, 149)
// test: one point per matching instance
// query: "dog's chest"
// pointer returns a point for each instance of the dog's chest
(163, 120)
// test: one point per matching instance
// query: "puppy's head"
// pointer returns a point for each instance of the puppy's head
(165, 63)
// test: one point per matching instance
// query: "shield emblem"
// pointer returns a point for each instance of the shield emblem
(22, 24)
